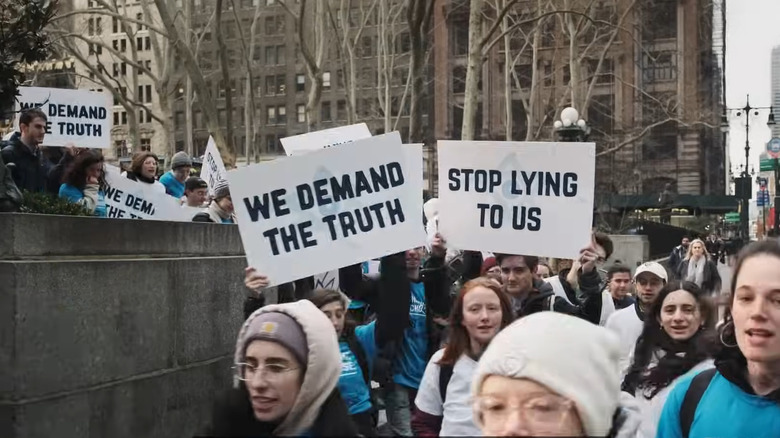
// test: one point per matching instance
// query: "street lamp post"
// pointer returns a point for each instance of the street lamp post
(571, 128)
(743, 184)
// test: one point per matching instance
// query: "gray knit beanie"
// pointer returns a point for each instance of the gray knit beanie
(221, 189)
(180, 159)
(280, 328)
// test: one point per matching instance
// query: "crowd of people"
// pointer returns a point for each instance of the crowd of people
(466, 343)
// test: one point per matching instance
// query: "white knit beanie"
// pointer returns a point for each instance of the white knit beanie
(572, 357)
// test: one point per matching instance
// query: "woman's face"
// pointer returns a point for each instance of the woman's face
(481, 314)
(543, 271)
(149, 169)
(336, 314)
(680, 315)
(756, 309)
(93, 172)
(275, 381)
(522, 407)
(226, 204)
(697, 249)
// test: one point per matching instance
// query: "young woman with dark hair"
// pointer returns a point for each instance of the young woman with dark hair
(443, 406)
(741, 396)
(678, 337)
(143, 169)
(83, 182)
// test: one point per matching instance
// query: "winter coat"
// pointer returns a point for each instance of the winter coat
(583, 305)
(318, 409)
(728, 407)
(711, 282)
(675, 257)
(543, 298)
(213, 214)
(30, 168)
(10, 196)
(54, 177)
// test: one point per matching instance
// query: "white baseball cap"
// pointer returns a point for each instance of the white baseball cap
(654, 268)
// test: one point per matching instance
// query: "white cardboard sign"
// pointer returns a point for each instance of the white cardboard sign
(312, 141)
(517, 197)
(213, 169)
(127, 199)
(80, 117)
(323, 210)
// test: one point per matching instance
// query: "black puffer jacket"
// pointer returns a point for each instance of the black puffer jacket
(29, 169)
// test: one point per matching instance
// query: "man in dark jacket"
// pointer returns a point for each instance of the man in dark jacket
(677, 255)
(30, 168)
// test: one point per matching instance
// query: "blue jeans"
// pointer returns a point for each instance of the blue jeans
(398, 402)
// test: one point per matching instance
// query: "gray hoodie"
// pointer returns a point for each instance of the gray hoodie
(323, 367)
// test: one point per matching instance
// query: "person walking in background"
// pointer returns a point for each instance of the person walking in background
(698, 267)
(143, 169)
(174, 179)
(741, 396)
(83, 183)
(678, 338)
(220, 210)
(22, 154)
(677, 255)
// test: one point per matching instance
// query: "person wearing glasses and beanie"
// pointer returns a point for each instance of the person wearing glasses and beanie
(220, 210)
(522, 387)
(287, 365)
(628, 323)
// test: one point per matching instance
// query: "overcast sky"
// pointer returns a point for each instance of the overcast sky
(752, 29)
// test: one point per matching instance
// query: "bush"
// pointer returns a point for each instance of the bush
(43, 203)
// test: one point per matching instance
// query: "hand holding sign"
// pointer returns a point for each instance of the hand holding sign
(589, 257)
(438, 246)
(254, 280)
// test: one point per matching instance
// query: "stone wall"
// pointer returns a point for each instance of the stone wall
(115, 328)
(629, 249)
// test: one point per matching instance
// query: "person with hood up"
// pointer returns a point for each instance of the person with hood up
(174, 179)
(551, 374)
(220, 210)
(287, 366)
(83, 183)
(678, 338)
(442, 404)
(143, 169)
(740, 397)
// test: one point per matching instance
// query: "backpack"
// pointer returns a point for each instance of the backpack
(692, 397)
(445, 374)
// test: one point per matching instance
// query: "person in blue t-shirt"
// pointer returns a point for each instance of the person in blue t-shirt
(406, 333)
(173, 180)
(83, 182)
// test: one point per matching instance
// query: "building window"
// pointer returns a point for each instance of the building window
(661, 142)
(140, 17)
(300, 83)
(146, 144)
(124, 118)
(461, 38)
(341, 110)
(459, 79)
(325, 114)
(178, 120)
(116, 117)
(281, 115)
(270, 143)
(274, 25)
(660, 20)
(115, 25)
(326, 81)
(300, 111)
(659, 67)
(281, 84)
(270, 118)
(119, 147)
(367, 46)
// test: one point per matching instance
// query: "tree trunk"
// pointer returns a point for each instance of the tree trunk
(419, 13)
(250, 122)
(509, 122)
(189, 145)
(473, 71)
(205, 98)
(225, 67)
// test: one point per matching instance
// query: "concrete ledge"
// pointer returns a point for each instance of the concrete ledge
(36, 236)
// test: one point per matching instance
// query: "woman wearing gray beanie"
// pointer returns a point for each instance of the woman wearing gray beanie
(551, 374)
(287, 363)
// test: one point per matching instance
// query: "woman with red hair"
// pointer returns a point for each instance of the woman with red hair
(443, 406)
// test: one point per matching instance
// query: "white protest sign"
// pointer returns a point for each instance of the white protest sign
(312, 141)
(133, 200)
(515, 197)
(213, 169)
(80, 117)
(331, 208)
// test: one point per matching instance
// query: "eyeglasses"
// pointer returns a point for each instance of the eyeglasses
(540, 413)
(271, 372)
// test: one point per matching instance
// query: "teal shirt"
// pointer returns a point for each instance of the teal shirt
(172, 185)
(74, 195)
(410, 364)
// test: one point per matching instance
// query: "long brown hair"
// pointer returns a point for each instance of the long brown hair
(138, 161)
(459, 342)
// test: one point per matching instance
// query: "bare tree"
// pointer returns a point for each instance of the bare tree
(251, 124)
(224, 63)
(311, 38)
(419, 15)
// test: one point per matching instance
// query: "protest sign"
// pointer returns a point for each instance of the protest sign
(323, 210)
(312, 141)
(516, 197)
(80, 117)
(213, 170)
(127, 199)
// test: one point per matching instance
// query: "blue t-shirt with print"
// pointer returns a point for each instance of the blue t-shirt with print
(410, 365)
(73, 194)
(352, 385)
(173, 186)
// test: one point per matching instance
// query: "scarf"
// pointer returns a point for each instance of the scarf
(696, 270)
(138, 177)
(222, 214)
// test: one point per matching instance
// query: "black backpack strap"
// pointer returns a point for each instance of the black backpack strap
(692, 397)
(360, 356)
(445, 374)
